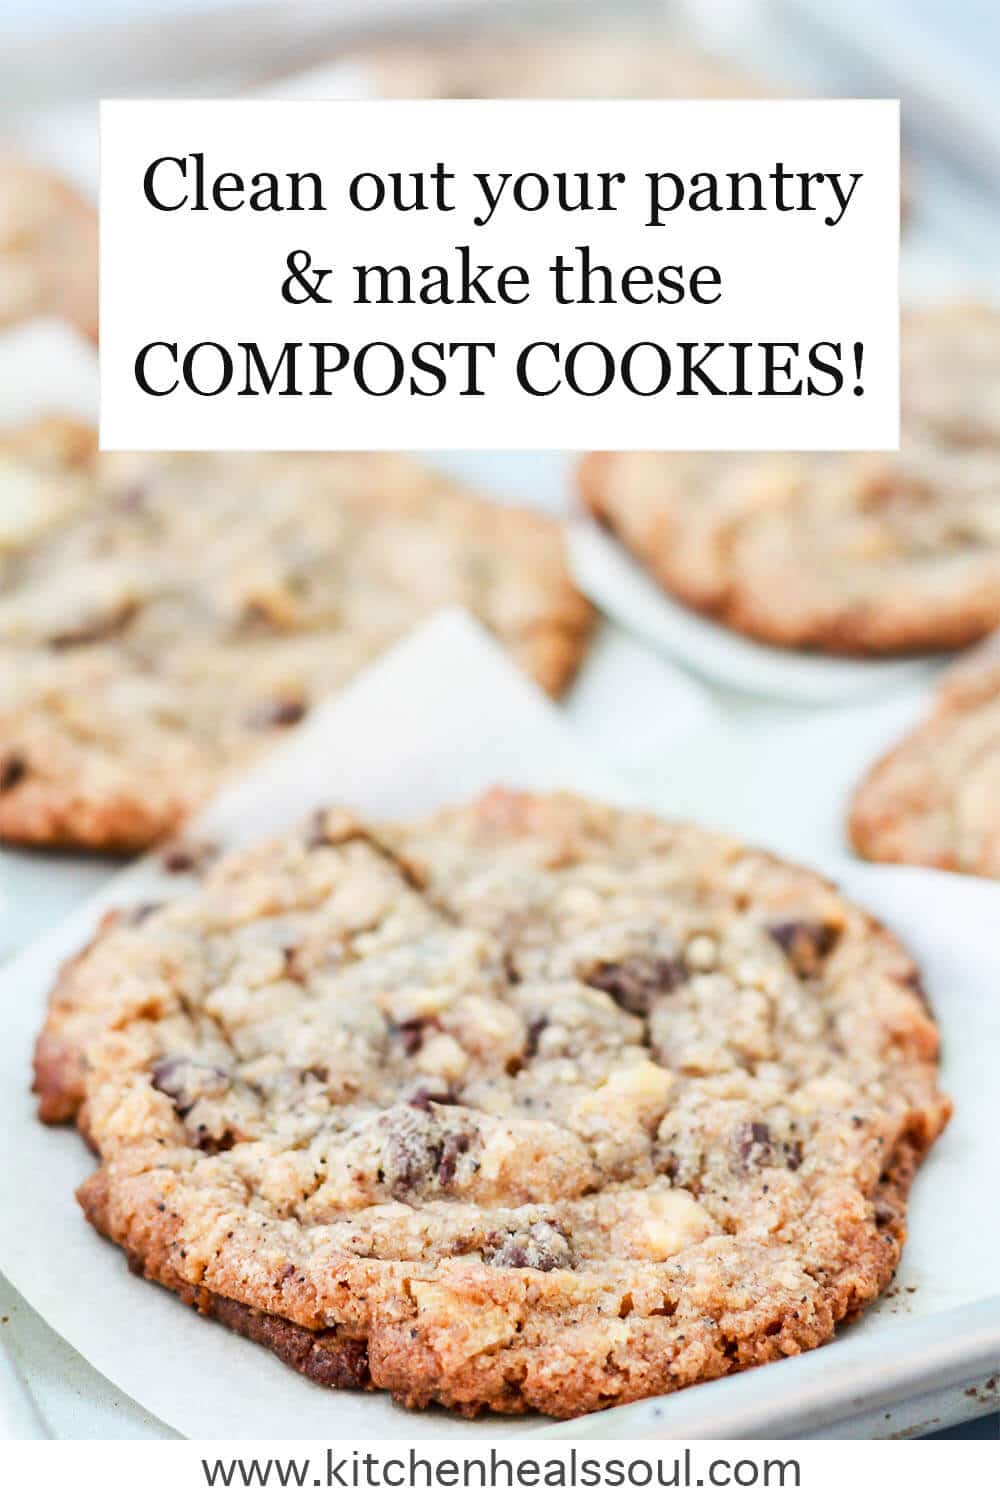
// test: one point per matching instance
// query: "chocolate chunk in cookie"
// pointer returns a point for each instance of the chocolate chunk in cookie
(636, 982)
(540, 1247)
(805, 944)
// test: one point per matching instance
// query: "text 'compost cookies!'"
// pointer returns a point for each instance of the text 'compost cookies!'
(495, 274)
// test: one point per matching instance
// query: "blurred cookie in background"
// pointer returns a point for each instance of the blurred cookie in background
(525, 65)
(46, 472)
(850, 554)
(935, 798)
(950, 374)
(201, 605)
(48, 248)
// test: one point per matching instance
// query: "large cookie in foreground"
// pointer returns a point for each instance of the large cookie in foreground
(533, 1105)
(935, 798)
(198, 605)
(853, 554)
(48, 248)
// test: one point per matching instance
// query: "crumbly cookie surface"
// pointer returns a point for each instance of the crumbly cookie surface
(595, 66)
(48, 248)
(935, 798)
(199, 605)
(533, 1105)
(856, 554)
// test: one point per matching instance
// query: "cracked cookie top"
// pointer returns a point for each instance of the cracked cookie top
(848, 553)
(544, 1104)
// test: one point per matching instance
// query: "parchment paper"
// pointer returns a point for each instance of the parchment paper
(790, 785)
(440, 718)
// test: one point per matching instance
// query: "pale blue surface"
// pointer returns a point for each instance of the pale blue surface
(46, 12)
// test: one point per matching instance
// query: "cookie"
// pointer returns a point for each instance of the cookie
(851, 554)
(201, 604)
(532, 1105)
(950, 374)
(45, 479)
(935, 798)
(519, 66)
(48, 249)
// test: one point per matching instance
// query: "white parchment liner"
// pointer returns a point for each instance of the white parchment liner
(788, 785)
(439, 719)
(615, 581)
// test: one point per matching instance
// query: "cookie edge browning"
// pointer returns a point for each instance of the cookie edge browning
(39, 814)
(858, 632)
(58, 1068)
(323, 1356)
(580, 1385)
(573, 1383)
(877, 826)
(552, 648)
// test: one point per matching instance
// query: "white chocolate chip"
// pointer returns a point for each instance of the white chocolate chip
(702, 952)
(664, 1221)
